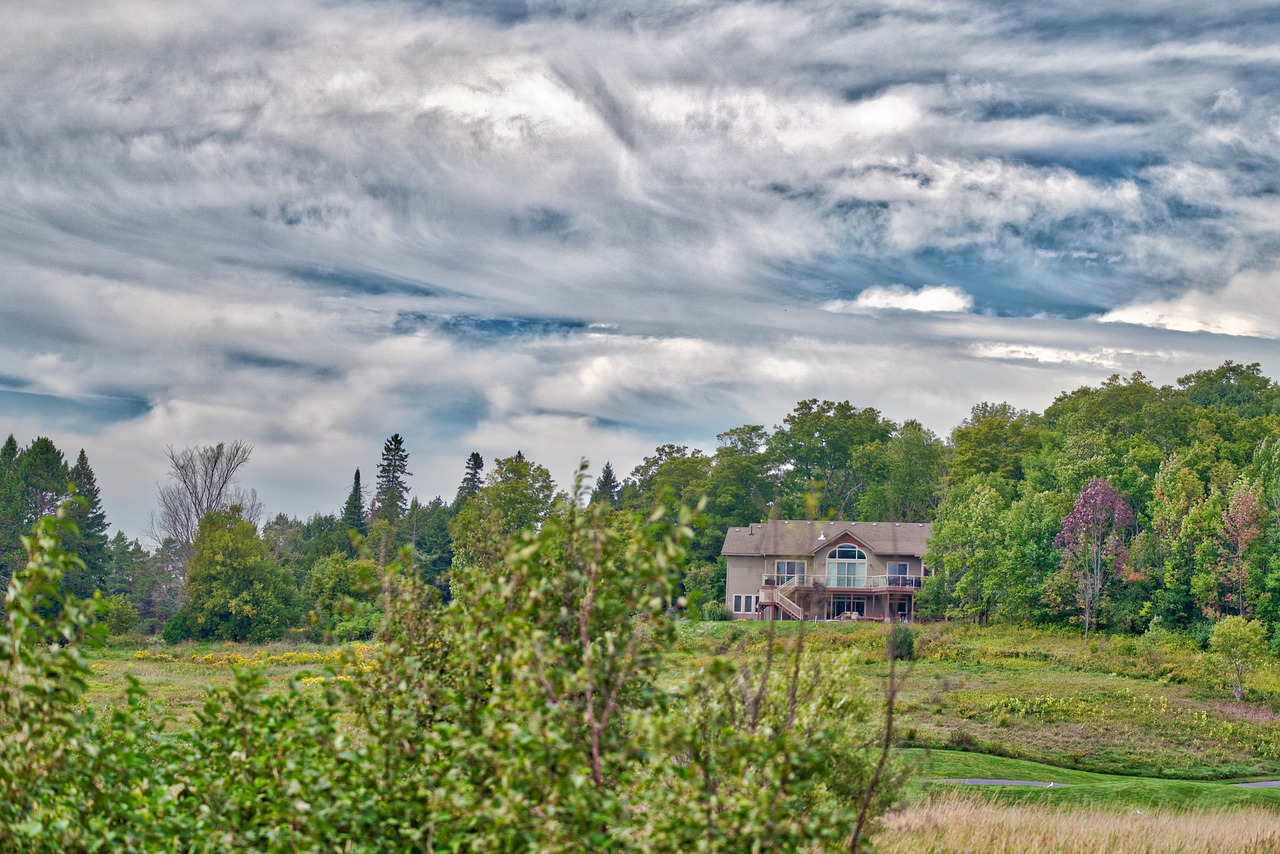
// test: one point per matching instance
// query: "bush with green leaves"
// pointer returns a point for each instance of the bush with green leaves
(714, 611)
(119, 614)
(526, 718)
(1240, 647)
(900, 643)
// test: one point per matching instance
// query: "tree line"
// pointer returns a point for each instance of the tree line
(1119, 505)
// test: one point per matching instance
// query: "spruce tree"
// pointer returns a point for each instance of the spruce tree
(472, 480)
(393, 489)
(607, 486)
(45, 478)
(91, 545)
(353, 511)
(12, 518)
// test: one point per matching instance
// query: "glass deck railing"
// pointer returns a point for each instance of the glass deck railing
(853, 582)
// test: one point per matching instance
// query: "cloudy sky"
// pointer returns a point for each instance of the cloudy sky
(585, 229)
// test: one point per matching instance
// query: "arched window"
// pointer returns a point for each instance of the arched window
(846, 567)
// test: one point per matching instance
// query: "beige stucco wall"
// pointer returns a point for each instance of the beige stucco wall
(742, 577)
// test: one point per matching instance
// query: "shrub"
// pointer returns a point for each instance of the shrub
(901, 642)
(525, 718)
(119, 614)
(714, 611)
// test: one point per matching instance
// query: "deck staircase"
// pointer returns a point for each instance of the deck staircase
(784, 602)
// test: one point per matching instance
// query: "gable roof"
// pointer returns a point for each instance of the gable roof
(780, 537)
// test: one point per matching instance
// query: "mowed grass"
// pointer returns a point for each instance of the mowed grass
(1076, 789)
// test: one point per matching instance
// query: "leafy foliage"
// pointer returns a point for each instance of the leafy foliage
(503, 723)
(235, 591)
(1093, 540)
(1241, 645)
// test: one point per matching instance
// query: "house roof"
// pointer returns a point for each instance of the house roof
(780, 537)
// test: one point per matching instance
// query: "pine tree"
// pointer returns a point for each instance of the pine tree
(353, 518)
(607, 486)
(91, 545)
(393, 490)
(472, 480)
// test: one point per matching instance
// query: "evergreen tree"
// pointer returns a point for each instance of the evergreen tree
(353, 511)
(393, 489)
(12, 519)
(472, 480)
(607, 487)
(433, 546)
(91, 544)
(45, 479)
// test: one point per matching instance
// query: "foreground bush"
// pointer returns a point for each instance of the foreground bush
(522, 717)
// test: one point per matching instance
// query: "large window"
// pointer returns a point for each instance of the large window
(846, 567)
(745, 603)
(789, 569)
(898, 575)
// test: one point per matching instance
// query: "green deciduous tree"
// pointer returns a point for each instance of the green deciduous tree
(1240, 646)
(824, 455)
(966, 546)
(914, 464)
(1240, 388)
(518, 495)
(994, 439)
(235, 591)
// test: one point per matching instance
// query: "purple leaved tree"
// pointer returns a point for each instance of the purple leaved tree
(1093, 543)
(1242, 522)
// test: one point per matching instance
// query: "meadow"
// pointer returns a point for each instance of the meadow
(1133, 727)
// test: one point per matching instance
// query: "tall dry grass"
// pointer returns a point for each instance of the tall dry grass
(960, 822)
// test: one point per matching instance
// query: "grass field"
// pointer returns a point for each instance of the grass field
(1132, 707)
(1141, 729)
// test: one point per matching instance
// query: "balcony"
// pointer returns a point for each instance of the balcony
(845, 582)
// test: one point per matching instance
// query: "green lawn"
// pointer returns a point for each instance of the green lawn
(1083, 788)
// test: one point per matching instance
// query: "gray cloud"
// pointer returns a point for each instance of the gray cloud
(584, 228)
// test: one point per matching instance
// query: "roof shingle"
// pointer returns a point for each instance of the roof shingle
(780, 537)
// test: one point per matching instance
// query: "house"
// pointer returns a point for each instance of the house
(824, 570)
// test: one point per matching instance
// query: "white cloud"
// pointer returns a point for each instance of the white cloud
(681, 184)
(928, 298)
(1246, 306)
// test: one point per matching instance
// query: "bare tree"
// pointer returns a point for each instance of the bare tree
(201, 479)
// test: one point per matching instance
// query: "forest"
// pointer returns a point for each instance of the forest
(1119, 506)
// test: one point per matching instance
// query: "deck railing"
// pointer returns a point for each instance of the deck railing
(845, 582)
